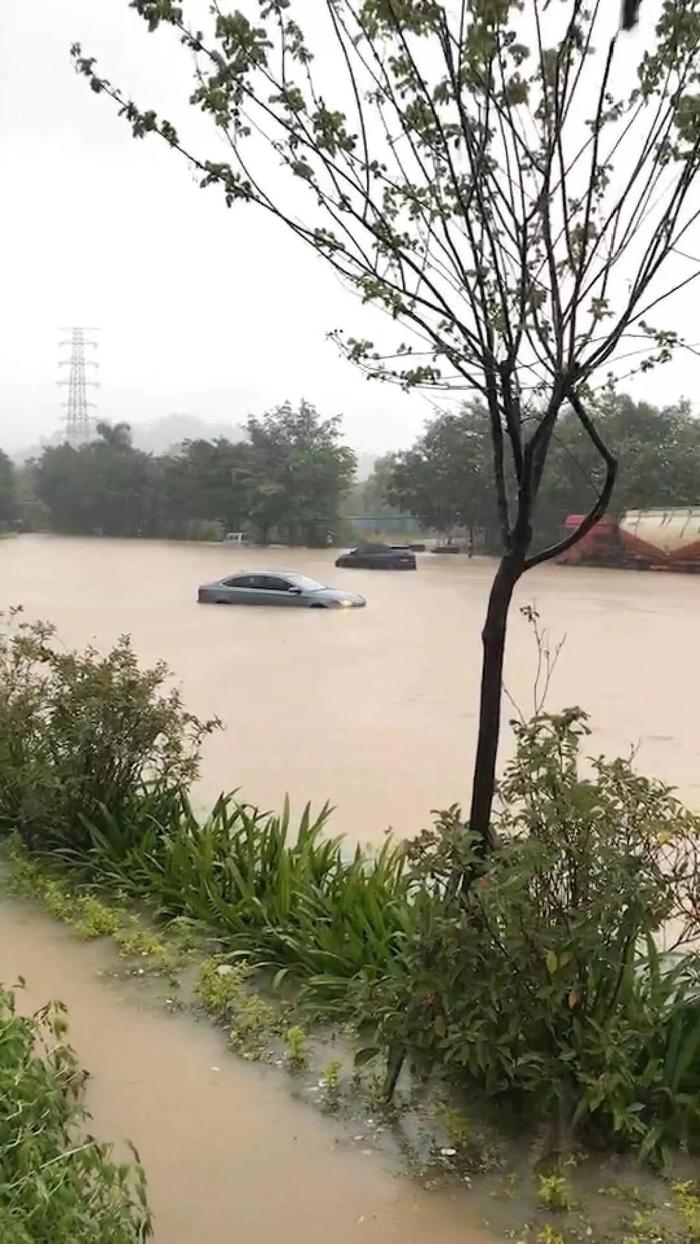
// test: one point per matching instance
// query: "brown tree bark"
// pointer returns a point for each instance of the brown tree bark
(493, 638)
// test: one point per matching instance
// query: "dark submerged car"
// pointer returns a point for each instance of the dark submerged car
(378, 557)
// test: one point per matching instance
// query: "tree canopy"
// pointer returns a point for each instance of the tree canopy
(8, 497)
(287, 479)
(445, 480)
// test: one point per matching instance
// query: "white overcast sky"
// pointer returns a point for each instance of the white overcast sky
(201, 310)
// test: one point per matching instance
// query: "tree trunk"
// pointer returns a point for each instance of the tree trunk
(493, 639)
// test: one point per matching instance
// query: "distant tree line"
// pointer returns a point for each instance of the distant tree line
(445, 479)
(284, 481)
(292, 478)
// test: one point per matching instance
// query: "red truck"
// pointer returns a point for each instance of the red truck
(640, 540)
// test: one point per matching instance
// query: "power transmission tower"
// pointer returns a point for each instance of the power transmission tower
(77, 418)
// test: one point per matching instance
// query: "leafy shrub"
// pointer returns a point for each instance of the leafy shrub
(538, 978)
(79, 731)
(56, 1183)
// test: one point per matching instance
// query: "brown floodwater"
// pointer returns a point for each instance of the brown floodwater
(375, 709)
(231, 1158)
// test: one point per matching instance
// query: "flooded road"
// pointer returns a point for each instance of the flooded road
(375, 709)
(230, 1157)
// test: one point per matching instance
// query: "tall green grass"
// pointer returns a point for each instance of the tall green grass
(288, 898)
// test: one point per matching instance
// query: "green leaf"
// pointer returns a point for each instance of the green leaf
(552, 961)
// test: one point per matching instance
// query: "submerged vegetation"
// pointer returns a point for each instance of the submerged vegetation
(557, 977)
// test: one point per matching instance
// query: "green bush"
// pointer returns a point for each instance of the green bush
(79, 731)
(57, 1184)
(538, 980)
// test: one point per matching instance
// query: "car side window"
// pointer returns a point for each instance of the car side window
(269, 583)
(245, 580)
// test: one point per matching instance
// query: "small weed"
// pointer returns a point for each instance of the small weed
(253, 1027)
(628, 1193)
(508, 1187)
(330, 1079)
(554, 1193)
(370, 1087)
(646, 1230)
(549, 1236)
(330, 1083)
(458, 1129)
(164, 958)
(296, 1042)
(472, 1152)
(223, 991)
(686, 1197)
(57, 900)
(219, 986)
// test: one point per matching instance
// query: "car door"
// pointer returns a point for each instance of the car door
(275, 590)
(240, 590)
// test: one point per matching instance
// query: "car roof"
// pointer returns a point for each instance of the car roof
(277, 574)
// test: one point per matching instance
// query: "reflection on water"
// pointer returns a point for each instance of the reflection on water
(229, 1155)
(375, 709)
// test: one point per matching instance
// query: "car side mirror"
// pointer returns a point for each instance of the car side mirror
(294, 591)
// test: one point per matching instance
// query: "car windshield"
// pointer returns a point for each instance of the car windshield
(307, 585)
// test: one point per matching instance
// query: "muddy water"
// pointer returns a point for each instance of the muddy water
(375, 709)
(230, 1157)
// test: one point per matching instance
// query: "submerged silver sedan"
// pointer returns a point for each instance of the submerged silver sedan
(274, 587)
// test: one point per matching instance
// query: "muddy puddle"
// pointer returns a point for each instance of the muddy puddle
(231, 1158)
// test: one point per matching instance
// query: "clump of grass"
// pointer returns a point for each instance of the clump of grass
(646, 1230)
(472, 1151)
(90, 917)
(686, 1198)
(297, 1045)
(554, 1193)
(627, 1192)
(223, 989)
(253, 1027)
(57, 900)
(219, 986)
(508, 1186)
(457, 1127)
(330, 1083)
(95, 919)
(163, 957)
(548, 1235)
